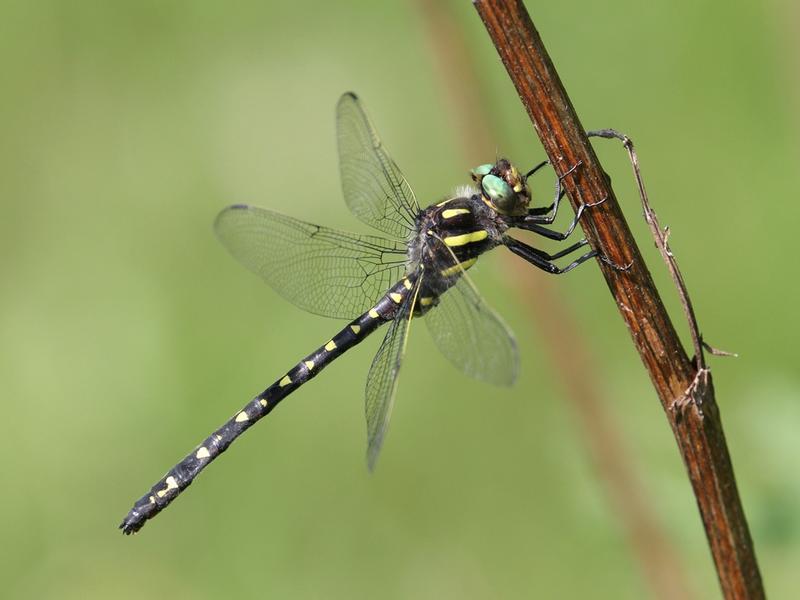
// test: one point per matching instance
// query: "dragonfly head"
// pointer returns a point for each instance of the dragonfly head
(502, 187)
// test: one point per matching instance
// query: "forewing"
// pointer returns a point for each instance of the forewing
(382, 377)
(472, 336)
(373, 187)
(321, 270)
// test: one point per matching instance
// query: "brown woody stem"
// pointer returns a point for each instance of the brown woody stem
(686, 391)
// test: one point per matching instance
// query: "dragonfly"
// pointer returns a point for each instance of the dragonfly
(417, 268)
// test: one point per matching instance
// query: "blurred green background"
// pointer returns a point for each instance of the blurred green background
(128, 334)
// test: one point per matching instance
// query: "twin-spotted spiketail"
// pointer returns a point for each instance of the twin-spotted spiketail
(419, 269)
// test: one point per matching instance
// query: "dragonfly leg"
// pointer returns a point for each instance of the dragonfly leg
(533, 224)
(536, 168)
(542, 210)
(543, 260)
(565, 251)
(540, 215)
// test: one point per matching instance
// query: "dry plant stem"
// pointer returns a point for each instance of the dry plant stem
(686, 392)
(662, 244)
(569, 352)
(661, 238)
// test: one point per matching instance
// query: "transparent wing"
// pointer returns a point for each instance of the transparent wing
(324, 271)
(374, 188)
(472, 336)
(382, 377)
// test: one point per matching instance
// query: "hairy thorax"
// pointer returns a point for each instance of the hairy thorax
(449, 238)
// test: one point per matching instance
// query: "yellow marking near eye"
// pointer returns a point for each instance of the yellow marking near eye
(242, 416)
(355, 328)
(203, 453)
(407, 284)
(373, 313)
(309, 364)
(285, 381)
(464, 264)
(171, 485)
(454, 212)
(426, 301)
(515, 177)
(262, 402)
(330, 346)
(396, 298)
(466, 238)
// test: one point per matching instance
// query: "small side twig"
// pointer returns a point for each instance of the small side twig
(661, 237)
(685, 389)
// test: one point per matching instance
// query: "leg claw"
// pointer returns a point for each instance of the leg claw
(598, 203)
(614, 265)
(575, 166)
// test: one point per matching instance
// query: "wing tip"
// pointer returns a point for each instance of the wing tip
(372, 460)
(221, 217)
(348, 98)
(374, 445)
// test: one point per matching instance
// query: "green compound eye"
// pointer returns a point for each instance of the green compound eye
(499, 192)
(481, 171)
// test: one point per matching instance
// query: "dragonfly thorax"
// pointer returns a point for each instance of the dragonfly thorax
(449, 238)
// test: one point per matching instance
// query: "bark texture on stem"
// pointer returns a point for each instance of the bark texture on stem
(686, 392)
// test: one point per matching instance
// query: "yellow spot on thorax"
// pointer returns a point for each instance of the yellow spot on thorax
(466, 238)
(407, 284)
(330, 346)
(443, 202)
(396, 298)
(285, 381)
(309, 364)
(426, 301)
(454, 212)
(242, 416)
(202, 453)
